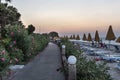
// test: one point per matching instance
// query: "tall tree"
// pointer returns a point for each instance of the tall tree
(8, 15)
(53, 34)
(30, 29)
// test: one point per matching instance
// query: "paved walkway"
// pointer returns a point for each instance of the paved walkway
(43, 67)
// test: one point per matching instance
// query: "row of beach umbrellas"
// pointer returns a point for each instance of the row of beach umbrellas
(109, 36)
(97, 38)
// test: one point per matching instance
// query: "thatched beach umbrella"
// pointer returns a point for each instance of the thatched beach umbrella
(66, 37)
(89, 37)
(84, 37)
(78, 37)
(97, 38)
(110, 35)
(73, 36)
(118, 40)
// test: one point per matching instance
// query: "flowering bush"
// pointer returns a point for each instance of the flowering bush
(16, 32)
(16, 56)
(17, 46)
(86, 70)
(33, 44)
(29, 44)
(4, 58)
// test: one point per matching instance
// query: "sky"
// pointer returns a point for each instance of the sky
(70, 16)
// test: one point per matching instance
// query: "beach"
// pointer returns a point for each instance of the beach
(87, 48)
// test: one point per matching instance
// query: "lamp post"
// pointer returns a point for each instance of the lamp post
(63, 46)
(72, 67)
(63, 55)
(63, 49)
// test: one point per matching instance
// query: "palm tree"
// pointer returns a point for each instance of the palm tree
(110, 35)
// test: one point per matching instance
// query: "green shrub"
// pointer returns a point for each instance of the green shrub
(33, 44)
(16, 55)
(4, 58)
(86, 70)
(16, 46)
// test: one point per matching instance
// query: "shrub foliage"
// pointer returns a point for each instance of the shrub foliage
(86, 70)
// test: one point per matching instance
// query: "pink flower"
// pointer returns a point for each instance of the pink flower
(12, 33)
(16, 60)
(14, 42)
(3, 59)
(19, 30)
(10, 46)
(3, 52)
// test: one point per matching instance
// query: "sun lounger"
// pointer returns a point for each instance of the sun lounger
(117, 48)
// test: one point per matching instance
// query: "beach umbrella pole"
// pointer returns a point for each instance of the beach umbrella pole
(109, 44)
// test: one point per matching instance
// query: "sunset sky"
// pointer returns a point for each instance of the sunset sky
(70, 16)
